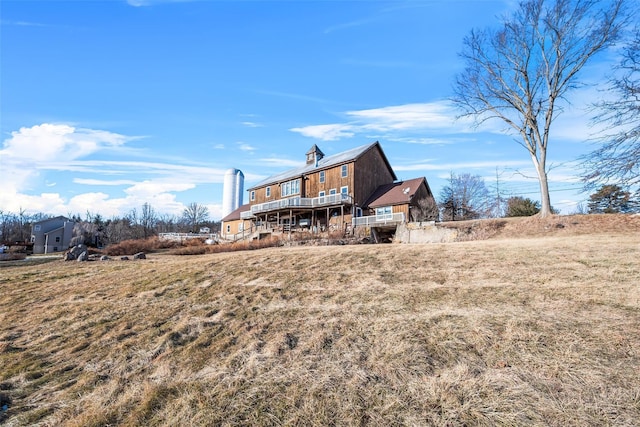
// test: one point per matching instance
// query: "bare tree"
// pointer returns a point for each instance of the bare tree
(195, 214)
(148, 220)
(618, 158)
(519, 72)
(425, 210)
(464, 197)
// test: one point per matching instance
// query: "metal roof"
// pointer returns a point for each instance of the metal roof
(323, 163)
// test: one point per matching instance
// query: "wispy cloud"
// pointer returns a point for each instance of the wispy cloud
(347, 25)
(330, 132)
(432, 165)
(24, 23)
(252, 124)
(279, 162)
(434, 116)
(140, 3)
(297, 96)
(96, 182)
(246, 147)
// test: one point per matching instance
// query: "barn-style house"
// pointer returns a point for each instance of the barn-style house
(354, 188)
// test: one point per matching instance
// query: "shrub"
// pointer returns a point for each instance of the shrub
(519, 206)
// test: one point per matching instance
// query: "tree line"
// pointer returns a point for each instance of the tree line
(93, 229)
(466, 196)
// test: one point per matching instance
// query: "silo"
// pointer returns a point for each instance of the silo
(232, 191)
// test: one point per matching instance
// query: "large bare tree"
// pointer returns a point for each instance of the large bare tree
(618, 157)
(195, 214)
(520, 71)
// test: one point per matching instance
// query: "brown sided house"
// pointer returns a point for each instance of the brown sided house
(234, 227)
(326, 193)
(411, 198)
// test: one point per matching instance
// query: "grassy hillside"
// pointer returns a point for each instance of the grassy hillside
(535, 330)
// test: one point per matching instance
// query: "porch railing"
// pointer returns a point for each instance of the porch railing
(378, 220)
(298, 202)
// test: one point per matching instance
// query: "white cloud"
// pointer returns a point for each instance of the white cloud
(279, 162)
(252, 124)
(246, 147)
(398, 119)
(30, 150)
(149, 189)
(30, 154)
(462, 166)
(140, 3)
(47, 142)
(409, 116)
(327, 132)
(88, 181)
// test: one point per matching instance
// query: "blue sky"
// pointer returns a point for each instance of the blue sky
(107, 105)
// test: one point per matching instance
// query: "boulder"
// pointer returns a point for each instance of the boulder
(140, 255)
(124, 258)
(83, 257)
(105, 258)
(75, 252)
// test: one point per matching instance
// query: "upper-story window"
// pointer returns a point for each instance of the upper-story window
(344, 190)
(321, 176)
(36, 227)
(267, 192)
(344, 171)
(290, 188)
(253, 196)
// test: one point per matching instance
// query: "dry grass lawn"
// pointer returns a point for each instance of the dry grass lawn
(522, 331)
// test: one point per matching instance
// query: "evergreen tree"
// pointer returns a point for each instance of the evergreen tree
(612, 199)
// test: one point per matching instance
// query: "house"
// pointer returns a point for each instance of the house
(404, 197)
(327, 193)
(234, 227)
(52, 235)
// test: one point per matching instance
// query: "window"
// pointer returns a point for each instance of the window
(36, 227)
(332, 191)
(384, 213)
(267, 191)
(290, 188)
(321, 194)
(321, 176)
(58, 239)
(344, 190)
(344, 171)
(241, 227)
(229, 226)
(253, 196)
